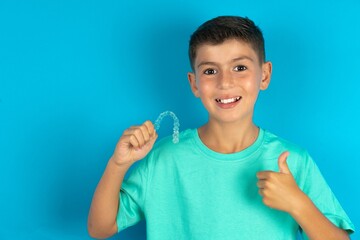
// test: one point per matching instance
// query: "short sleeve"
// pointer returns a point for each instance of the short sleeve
(316, 188)
(133, 195)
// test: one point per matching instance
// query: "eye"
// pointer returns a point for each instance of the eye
(210, 71)
(240, 68)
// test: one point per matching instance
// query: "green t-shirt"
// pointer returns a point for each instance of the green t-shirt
(187, 191)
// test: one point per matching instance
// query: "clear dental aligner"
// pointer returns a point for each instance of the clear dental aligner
(176, 124)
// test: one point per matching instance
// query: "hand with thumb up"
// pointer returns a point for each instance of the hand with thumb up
(279, 189)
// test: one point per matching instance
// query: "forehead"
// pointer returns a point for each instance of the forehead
(225, 51)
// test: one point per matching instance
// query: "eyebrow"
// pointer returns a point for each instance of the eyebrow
(233, 60)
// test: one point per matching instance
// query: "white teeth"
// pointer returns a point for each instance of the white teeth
(229, 100)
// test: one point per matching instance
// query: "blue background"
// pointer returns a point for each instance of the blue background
(75, 74)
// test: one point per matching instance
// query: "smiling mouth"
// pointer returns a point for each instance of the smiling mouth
(227, 100)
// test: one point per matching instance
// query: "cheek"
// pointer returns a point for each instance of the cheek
(251, 85)
(203, 86)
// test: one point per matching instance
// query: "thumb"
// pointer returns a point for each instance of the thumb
(283, 166)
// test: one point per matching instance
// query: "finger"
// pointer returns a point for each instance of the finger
(136, 137)
(261, 184)
(262, 175)
(134, 141)
(283, 166)
(261, 192)
(150, 127)
(129, 131)
(153, 139)
(145, 133)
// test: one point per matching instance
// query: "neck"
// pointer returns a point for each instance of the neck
(228, 137)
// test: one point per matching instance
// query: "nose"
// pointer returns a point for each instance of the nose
(226, 80)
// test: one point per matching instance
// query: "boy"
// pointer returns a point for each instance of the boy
(228, 179)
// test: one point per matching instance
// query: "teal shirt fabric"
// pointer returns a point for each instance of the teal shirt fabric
(187, 191)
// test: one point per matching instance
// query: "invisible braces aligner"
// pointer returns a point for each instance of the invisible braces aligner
(176, 124)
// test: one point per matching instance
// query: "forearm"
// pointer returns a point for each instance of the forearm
(314, 223)
(105, 203)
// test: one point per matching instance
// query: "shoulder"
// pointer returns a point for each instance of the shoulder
(299, 159)
(277, 145)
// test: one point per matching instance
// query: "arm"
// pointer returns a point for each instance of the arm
(313, 222)
(134, 144)
(280, 191)
(105, 202)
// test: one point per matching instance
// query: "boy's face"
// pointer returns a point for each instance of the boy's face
(228, 78)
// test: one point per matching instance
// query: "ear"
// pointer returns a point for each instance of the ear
(266, 75)
(192, 81)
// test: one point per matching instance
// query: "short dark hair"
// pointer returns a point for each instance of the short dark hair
(219, 29)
